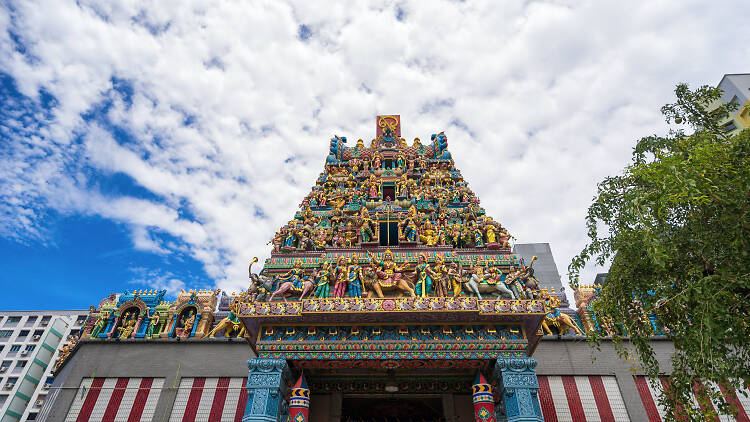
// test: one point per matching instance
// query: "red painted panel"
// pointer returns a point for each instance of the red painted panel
(702, 399)
(241, 404)
(545, 399)
(731, 397)
(220, 396)
(90, 401)
(115, 399)
(680, 414)
(574, 399)
(140, 400)
(648, 401)
(600, 397)
(194, 400)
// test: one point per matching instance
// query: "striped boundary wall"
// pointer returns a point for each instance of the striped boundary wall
(650, 389)
(581, 398)
(210, 399)
(115, 399)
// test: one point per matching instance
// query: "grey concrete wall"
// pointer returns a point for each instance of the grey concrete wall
(173, 360)
(170, 359)
(573, 356)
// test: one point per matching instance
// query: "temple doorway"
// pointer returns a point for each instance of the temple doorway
(391, 408)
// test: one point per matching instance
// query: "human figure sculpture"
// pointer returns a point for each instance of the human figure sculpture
(428, 236)
(409, 225)
(479, 284)
(423, 277)
(128, 325)
(322, 281)
(554, 317)
(188, 321)
(342, 276)
(388, 275)
(99, 326)
(153, 326)
(354, 281)
(230, 325)
(293, 283)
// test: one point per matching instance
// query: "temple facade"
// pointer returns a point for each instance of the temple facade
(391, 295)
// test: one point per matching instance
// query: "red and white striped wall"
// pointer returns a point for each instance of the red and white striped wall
(581, 399)
(649, 392)
(115, 399)
(210, 399)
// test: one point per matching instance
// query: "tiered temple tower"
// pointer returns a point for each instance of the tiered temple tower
(392, 283)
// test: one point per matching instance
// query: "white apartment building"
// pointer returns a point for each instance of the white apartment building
(29, 344)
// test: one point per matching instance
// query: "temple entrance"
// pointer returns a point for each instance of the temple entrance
(392, 408)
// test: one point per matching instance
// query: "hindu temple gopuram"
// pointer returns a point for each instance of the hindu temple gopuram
(391, 295)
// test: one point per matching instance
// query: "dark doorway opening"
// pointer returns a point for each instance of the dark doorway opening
(392, 409)
(389, 193)
(388, 234)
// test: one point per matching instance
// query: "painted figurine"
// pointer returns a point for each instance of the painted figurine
(295, 276)
(322, 280)
(355, 279)
(423, 277)
(153, 326)
(339, 289)
(409, 225)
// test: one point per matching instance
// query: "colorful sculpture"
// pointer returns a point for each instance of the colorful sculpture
(388, 275)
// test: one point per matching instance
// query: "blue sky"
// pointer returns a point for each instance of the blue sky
(160, 144)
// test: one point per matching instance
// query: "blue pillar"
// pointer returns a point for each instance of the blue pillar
(516, 379)
(266, 390)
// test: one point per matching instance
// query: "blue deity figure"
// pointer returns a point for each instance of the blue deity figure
(478, 237)
(440, 146)
(295, 275)
(355, 280)
(337, 150)
(410, 225)
(365, 229)
(424, 275)
(290, 239)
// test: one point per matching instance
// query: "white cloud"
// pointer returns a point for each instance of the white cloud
(540, 100)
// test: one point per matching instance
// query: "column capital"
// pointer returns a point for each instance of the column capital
(266, 387)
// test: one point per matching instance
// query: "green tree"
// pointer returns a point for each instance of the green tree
(676, 227)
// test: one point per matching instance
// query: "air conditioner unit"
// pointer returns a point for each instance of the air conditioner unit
(3, 369)
(46, 386)
(37, 337)
(44, 323)
(24, 352)
(39, 402)
(8, 386)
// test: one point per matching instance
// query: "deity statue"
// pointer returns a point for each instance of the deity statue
(428, 236)
(365, 229)
(188, 321)
(409, 225)
(290, 240)
(489, 231)
(400, 161)
(127, 326)
(423, 275)
(231, 324)
(387, 275)
(153, 326)
(99, 326)
(294, 276)
(478, 237)
(342, 276)
(360, 144)
(355, 279)
(322, 280)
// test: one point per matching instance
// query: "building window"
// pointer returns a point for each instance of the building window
(31, 320)
(15, 347)
(22, 335)
(32, 417)
(21, 363)
(3, 399)
(45, 320)
(12, 321)
(6, 333)
(729, 126)
(81, 319)
(30, 348)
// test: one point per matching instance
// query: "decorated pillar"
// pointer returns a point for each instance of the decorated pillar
(516, 378)
(266, 390)
(299, 402)
(484, 403)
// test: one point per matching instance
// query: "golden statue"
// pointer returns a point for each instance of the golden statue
(127, 327)
(428, 236)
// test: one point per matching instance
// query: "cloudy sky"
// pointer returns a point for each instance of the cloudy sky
(160, 144)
